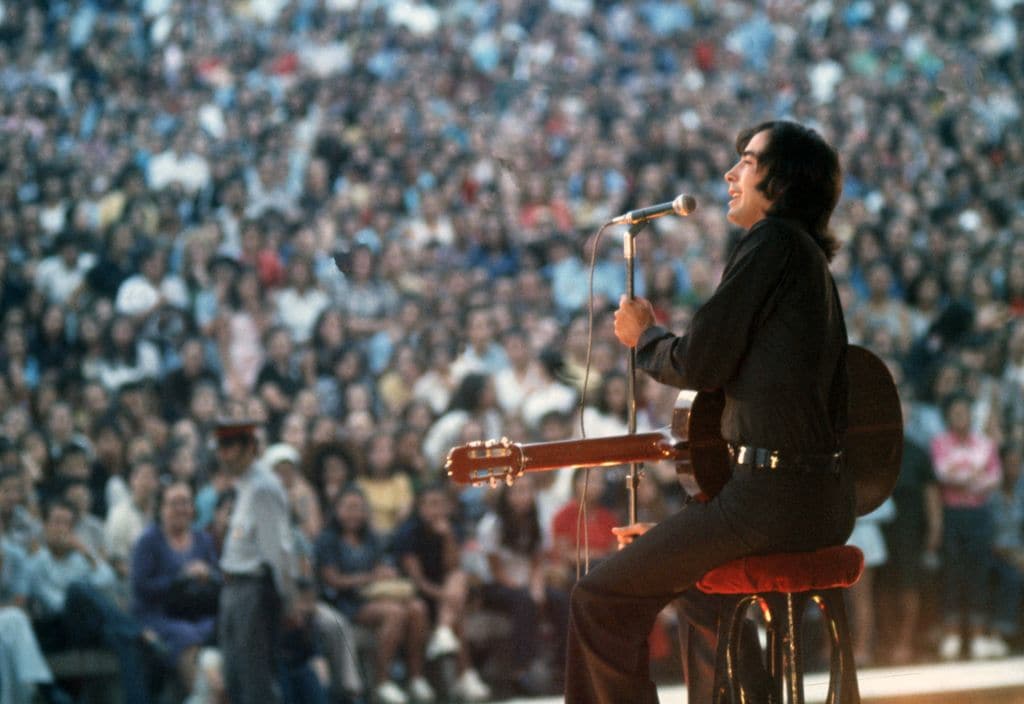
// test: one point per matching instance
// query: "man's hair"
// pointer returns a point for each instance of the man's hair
(802, 177)
(57, 503)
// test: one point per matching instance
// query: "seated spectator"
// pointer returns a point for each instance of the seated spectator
(70, 464)
(473, 399)
(428, 548)
(581, 530)
(330, 469)
(283, 460)
(521, 376)
(175, 581)
(69, 592)
(554, 395)
(322, 644)
(217, 527)
(177, 386)
(127, 520)
(303, 672)
(126, 357)
(23, 669)
(88, 528)
(357, 577)
(109, 472)
(388, 490)
(515, 582)
(20, 526)
(608, 414)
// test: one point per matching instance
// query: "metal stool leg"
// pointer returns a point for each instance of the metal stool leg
(842, 685)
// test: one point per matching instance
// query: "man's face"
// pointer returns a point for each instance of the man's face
(57, 530)
(747, 204)
(10, 493)
(235, 454)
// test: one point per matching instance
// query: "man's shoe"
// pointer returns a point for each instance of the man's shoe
(421, 690)
(470, 688)
(442, 642)
(387, 692)
(949, 648)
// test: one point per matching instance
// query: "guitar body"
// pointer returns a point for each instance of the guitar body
(872, 450)
(697, 418)
(873, 445)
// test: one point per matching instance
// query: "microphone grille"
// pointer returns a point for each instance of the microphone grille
(684, 204)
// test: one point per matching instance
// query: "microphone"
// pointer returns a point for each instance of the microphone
(682, 206)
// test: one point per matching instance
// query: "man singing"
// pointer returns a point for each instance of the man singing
(772, 337)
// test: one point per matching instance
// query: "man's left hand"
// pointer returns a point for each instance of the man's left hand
(626, 534)
(631, 319)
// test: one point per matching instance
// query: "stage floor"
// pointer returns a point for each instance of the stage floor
(991, 682)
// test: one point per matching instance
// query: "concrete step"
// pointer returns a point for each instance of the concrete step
(988, 682)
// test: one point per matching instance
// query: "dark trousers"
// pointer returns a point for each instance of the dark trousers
(91, 618)
(613, 608)
(248, 633)
(1007, 591)
(526, 618)
(967, 535)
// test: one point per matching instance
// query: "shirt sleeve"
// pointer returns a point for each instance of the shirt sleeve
(274, 538)
(707, 356)
(17, 569)
(149, 581)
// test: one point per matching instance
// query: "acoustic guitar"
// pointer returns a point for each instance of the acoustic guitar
(872, 449)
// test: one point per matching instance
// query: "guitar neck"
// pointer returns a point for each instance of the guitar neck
(598, 452)
(503, 460)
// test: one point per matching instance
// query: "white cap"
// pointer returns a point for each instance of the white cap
(280, 452)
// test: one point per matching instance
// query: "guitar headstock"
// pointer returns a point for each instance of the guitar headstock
(488, 461)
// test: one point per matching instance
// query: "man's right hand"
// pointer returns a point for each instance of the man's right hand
(631, 319)
(626, 534)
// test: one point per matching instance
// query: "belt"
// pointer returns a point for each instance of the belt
(761, 458)
(242, 577)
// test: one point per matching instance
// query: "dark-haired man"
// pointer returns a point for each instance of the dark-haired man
(70, 593)
(772, 337)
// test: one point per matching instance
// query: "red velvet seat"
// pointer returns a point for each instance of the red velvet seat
(783, 584)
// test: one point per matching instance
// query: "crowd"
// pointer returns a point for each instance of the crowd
(371, 227)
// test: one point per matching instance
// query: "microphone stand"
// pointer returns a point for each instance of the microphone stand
(633, 479)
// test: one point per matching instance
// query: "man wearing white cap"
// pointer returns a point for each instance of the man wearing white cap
(257, 564)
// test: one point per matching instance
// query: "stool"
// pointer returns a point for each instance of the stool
(783, 584)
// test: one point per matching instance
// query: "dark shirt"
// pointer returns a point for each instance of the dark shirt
(177, 388)
(332, 550)
(916, 473)
(772, 337)
(414, 537)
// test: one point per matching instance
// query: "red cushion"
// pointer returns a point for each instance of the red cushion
(837, 566)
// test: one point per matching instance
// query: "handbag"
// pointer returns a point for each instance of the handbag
(192, 599)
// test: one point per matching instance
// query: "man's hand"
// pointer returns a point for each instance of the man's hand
(631, 319)
(197, 569)
(626, 534)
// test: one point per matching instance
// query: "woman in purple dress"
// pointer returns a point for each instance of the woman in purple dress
(175, 581)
